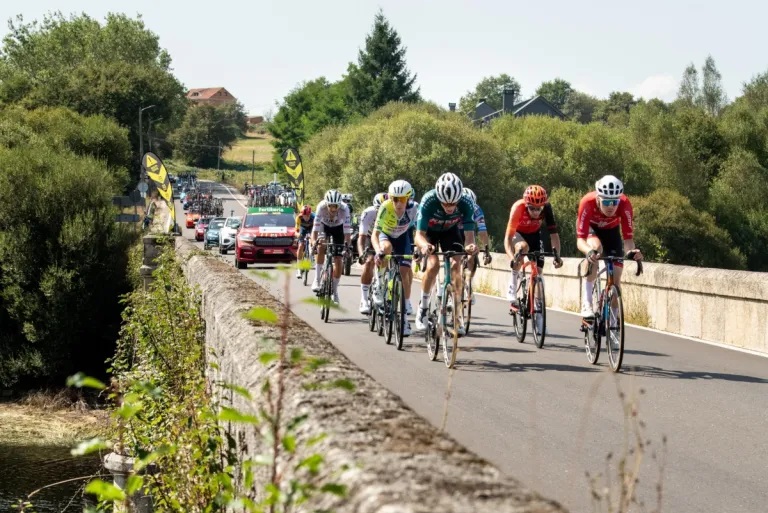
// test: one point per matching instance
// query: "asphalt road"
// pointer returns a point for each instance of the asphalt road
(546, 416)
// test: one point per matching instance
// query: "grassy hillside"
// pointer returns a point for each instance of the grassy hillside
(243, 150)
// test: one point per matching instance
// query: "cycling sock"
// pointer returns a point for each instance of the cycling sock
(317, 275)
(424, 300)
(364, 289)
(513, 281)
(336, 285)
(589, 287)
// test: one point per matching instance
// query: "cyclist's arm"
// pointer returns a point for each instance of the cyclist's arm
(375, 239)
(361, 242)
(515, 213)
(298, 224)
(582, 224)
(554, 235)
(347, 227)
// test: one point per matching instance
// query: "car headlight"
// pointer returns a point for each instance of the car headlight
(246, 238)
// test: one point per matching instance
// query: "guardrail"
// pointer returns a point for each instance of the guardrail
(717, 305)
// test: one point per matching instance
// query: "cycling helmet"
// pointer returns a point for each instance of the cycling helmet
(332, 197)
(609, 187)
(535, 195)
(448, 188)
(306, 210)
(379, 199)
(470, 194)
(400, 188)
(346, 198)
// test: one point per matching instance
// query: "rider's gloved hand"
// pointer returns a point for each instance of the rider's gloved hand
(487, 258)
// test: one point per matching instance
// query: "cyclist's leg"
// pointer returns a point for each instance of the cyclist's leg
(451, 240)
(366, 277)
(320, 257)
(337, 233)
(594, 242)
(402, 246)
(613, 245)
(431, 264)
(520, 245)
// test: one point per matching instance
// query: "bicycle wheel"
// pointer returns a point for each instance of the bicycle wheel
(466, 303)
(539, 317)
(432, 328)
(323, 303)
(614, 327)
(328, 292)
(519, 317)
(372, 313)
(388, 317)
(591, 328)
(450, 327)
(398, 309)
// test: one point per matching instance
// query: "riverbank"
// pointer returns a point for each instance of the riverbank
(30, 424)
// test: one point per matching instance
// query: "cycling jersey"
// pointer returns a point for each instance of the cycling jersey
(388, 223)
(590, 216)
(368, 220)
(433, 218)
(324, 217)
(520, 220)
(305, 226)
(479, 217)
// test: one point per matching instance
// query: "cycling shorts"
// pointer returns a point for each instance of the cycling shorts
(337, 237)
(610, 240)
(534, 243)
(400, 246)
(448, 240)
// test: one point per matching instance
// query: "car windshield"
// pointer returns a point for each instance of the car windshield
(263, 220)
(204, 221)
(233, 222)
(216, 224)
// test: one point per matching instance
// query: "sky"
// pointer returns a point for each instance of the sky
(261, 49)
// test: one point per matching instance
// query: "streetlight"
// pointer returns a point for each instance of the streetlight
(141, 129)
(149, 130)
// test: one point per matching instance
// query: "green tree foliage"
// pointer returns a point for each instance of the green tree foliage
(380, 75)
(413, 144)
(580, 107)
(713, 96)
(670, 229)
(557, 91)
(62, 256)
(689, 91)
(615, 109)
(308, 108)
(110, 69)
(565, 204)
(490, 88)
(206, 130)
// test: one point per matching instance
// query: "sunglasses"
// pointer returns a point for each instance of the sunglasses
(399, 199)
(534, 209)
(609, 202)
(333, 205)
(449, 205)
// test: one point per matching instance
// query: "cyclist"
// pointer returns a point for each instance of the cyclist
(441, 212)
(304, 222)
(605, 217)
(391, 235)
(331, 219)
(482, 231)
(367, 222)
(347, 199)
(524, 234)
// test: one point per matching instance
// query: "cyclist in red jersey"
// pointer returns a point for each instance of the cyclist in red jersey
(604, 226)
(524, 233)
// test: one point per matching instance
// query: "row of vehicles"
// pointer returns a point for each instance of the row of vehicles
(262, 235)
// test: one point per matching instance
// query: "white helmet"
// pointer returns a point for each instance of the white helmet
(332, 197)
(346, 197)
(609, 187)
(379, 199)
(448, 188)
(470, 194)
(400, 188)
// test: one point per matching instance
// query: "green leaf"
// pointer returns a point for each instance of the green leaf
(311, 463)
(267, 358)
(105, 491)
(304, 265)
(80, 380)
(133, 484)
(264, 274)
(335, 489)
(315, 363)
(128, 410)
(241, 391)
(344, 383)
(296, 355)
(89, 446)
(289, 443)
(296, 422)
(261, 314)
(228, 414)
(316, 439)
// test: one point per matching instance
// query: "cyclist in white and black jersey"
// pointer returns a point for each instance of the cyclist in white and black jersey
(331, 219)
(367, 222)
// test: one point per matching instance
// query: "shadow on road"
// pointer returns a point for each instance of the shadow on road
(488, 366)
(658, 372)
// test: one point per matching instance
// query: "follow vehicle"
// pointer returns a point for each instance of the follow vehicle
(266, 235)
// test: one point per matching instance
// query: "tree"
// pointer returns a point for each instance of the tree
(110, 69)
(713, 98)
(557, 91)
(580, 107)
(689, 91)
(381, 75)
(490, 88)
(206, 130)
(308, 108)
(617, 104)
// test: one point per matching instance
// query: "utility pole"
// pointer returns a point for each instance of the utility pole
(141, 132)
(253, 168)
(149, 130)
(218, 157)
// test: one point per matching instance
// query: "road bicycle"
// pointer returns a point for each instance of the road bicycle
(610, 308)
(531, 301)
(325, 294)
(308, 259)
(467, 291)
(391, 313)
(442, 321)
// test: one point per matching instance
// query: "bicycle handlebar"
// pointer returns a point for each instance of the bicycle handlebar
(628, 256)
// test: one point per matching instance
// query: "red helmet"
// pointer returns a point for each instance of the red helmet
(306, 210)
(535, 195)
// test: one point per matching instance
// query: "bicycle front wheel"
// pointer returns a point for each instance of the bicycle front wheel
(398, 310)
(466, 303)
(328, 292)
(389, 316)
(591, 328)
(373, 311)
(519, 316)
(432, 328)
(614, 327)
(450, 326)
(539, 316)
